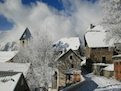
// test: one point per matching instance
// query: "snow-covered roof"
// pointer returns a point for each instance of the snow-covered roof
(9, 83)
(72, 42)
(15, 67)
(109, 67)
(96, 37)
(7, 55)
(104, 84)
(117, 56)
(100, 64)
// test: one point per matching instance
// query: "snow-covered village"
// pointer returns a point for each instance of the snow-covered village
(60, 45)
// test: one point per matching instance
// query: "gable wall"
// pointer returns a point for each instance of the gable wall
(22, 85)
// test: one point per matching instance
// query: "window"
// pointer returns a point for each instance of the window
(70, 57)
(104, 59)
(23, 41)
(55, 75)
(72, 65)
(69, 77)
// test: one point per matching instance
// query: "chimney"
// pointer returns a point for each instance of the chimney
(92, 26)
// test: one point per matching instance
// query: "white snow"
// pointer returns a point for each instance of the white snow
(15, 67)
(84, 61)
(117, 56)
(9, 84)
(109, 67)
(73, 43)
(96, 37)
(102, 64)
(6, 56)
(104, 84)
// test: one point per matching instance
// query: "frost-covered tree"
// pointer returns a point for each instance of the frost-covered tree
(39, 53)
(112, 17)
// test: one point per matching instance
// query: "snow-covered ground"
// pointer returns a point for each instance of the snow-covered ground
(105, 84)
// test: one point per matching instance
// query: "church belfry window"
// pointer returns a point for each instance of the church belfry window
(23, 41)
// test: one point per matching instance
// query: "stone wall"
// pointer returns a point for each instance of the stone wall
(97, 55)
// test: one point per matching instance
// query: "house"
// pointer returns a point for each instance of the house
(65, 44)
(66, 61)
(102, 69)
(98, 68)
(13, 81)
(25, 38)
(117, 66)
(7, 56)
(108, 71)
(97, 49)
(24, 68)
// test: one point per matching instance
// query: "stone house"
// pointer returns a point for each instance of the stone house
(98, 68)
(108, 71)
(102, 69)
(66, 61)
(117, 66)
(97, 49)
